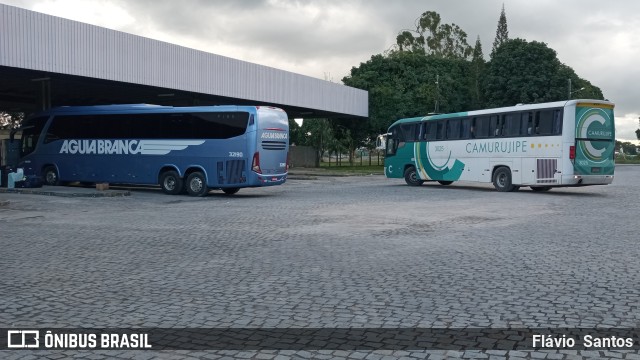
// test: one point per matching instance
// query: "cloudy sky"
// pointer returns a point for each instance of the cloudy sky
(326, 38)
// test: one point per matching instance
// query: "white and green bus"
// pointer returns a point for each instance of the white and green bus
(566, 143)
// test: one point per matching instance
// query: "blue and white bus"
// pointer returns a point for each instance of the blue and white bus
(183, 149)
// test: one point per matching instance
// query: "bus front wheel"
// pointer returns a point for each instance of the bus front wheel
(197, 184)
(502, 180)
(445, 182)
(411, 177)
(171, 182)
(50, 175)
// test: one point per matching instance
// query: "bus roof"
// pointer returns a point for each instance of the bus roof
(134, 108)
(519, 107)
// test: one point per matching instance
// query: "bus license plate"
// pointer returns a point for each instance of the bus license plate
(595, 170)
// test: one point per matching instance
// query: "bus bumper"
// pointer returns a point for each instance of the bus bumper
(271, 179)
(587, 179)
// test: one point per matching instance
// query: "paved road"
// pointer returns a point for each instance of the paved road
(327, 253)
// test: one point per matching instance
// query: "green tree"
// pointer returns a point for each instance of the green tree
(638, 131)
(627, 147)
(502, 33)
(430, 37)
(295, 133)
(352, 134)
(580, 88)
(530, 72)
(318, 134)
(403, 84)
(477, 71)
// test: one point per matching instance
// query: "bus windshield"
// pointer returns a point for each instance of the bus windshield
(31, 131)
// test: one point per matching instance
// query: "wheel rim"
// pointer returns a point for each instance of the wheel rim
(51, 177)
(502, 180)
(413, 177)
(170, 183)
(196, 184)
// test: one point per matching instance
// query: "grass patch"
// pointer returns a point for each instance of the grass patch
(346, 169)
(627, 160)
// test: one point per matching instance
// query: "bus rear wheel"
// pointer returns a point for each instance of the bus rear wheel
(171, 182)
(445, 182)
(197, 184)
(540, 188)
(411, 177)
(230, 191)
(50, 175)
(502, 180)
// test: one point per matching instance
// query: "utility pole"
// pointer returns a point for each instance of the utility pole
(437, 107)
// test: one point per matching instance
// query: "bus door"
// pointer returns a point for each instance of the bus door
(273, 144)
(595, 140)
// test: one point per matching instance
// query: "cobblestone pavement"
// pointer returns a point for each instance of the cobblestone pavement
(332, 252)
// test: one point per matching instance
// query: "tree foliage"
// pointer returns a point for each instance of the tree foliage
(318, 134)
(402, 83)
(431, 37)
(627, 147)
(477, 71)
(530, 72)
(502, 33)
(10, 120)
(295, 133)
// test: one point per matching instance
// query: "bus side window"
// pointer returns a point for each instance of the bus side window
(511, 125)
(61, 127)
(525, 123)
(440, 132)
(482, 127)
(409, 132)
(544, 122)
(557, 122)
(420, 132)
(52, 135)
(466, 129)
(495, 126)
(430, 130)
(453, 129)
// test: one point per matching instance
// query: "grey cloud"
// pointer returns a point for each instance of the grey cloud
(601, 41)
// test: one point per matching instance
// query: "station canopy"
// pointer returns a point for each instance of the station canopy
(47, 61)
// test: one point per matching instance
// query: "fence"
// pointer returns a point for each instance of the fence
(362, 158)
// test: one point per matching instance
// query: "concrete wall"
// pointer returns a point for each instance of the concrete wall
(302, 156)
